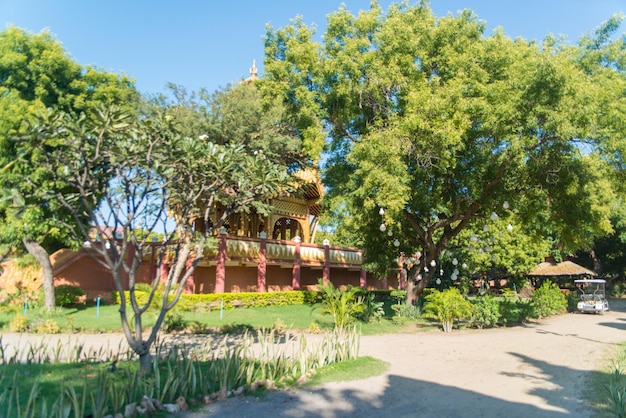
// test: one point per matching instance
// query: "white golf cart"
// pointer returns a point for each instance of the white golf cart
(592, 296)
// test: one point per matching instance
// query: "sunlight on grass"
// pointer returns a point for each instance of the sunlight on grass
(356, 369)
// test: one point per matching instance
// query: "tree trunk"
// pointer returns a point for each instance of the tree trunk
(597, 264)
(414, 287)
(145, 363)
(42, 257)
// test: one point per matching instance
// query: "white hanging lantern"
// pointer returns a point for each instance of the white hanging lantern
(396, 243)
(505, 205)
(455, 261)
(383, 227)
(433, 263)
(381, 212)
(494, 216)
(509, 227)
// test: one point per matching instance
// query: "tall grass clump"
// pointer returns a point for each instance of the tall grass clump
(198, 371)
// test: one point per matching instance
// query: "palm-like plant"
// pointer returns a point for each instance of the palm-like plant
(342, 305)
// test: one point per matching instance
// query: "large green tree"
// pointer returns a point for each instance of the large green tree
(37, 73)
(440, 124)
(240, 114)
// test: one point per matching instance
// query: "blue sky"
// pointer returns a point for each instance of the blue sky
(210, 43)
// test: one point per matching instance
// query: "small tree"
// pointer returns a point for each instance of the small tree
(447, 306)
(152, 174)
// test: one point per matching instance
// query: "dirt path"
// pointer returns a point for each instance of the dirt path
(537, 370)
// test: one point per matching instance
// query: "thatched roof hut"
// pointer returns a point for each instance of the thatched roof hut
(564, 268)
(562, 271)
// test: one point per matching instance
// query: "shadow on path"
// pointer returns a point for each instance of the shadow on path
(405, 397)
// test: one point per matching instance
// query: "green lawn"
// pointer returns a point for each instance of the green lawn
(90, 319)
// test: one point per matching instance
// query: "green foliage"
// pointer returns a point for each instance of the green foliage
(174, 322)
(343, 306)
(37, 74)
(405, 313)
(398, 295)
(486, 311)
(447, 306)
(549, 300)
(42, 386)
(616, 289)
(516, 310)
(66, 295)
(212, 301)
(372, 309)
(440, 123)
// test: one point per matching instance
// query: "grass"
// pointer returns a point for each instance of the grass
(599, 384)
(51, 377)
(356, 369)
(90, 319)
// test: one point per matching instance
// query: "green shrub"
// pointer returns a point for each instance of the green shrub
(408, 312)
(516, 310)
(549, 300)
(66, 295)
(615, 289)
(211, 301)
(372, 309)
(447, 306)
(398, 295)
(486, 311)
(174, 322)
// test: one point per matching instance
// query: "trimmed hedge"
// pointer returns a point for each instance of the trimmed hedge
(207, 302)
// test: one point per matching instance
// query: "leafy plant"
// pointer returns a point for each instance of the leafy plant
(372, 309)
(66, 295)
(447, 306)
(514, 311)
(174, 322)
(343, 306)
(549, 300)
(486, 311)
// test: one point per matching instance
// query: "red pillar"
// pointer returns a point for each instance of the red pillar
(153, 265)
(326, 273)
(363, 279)
(164, 269)
(261, 279)
(190, 283)
(220, 270)
(402, 281)
(295, 274)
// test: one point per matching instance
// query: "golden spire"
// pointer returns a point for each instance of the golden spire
(253, 70)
